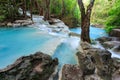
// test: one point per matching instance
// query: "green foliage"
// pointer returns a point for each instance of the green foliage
(2, 18)
(109, 28)
(8, 10)
(100, 11)
(67, 10)
(114, 13)
(113, 21)
(56, 7)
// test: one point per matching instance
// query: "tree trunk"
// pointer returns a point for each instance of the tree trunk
(38, 7)
(85, 30)
(63, 8)
(47, 10)
(85, 20)
(24, 8)
(31, 4)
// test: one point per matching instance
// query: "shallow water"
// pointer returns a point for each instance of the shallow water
(94, 32)
(17, 42)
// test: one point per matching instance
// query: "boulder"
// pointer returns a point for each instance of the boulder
(95, 61)
(38, 66)
(104, 39)
(85, 63)
(115, 33)
(71, 72)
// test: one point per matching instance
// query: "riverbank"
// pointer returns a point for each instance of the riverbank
(93, 63)
(17, 23)
(55, 40)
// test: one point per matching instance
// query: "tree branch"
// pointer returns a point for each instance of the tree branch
(89, 8)
(82, 8)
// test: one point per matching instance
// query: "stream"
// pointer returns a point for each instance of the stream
(23, 41)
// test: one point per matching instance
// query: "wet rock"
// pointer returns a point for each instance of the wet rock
(23, 22)
(116, 70)
(16, 24)
(104, 39)
(117, 48)
(115, 33)
(85, 63)
(59, 26)
(85, 45)
(71, 72)
(2, 24)
(9, 24)
(38, 66)
(111, 44)
(93, 77)
(74, 34)
(53, 21)
(116, 75)
(95, 61)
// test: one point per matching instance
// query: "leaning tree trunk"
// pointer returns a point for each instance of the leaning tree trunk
(47, 10)
(85, 20)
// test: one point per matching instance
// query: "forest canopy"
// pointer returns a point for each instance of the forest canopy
(105, 12)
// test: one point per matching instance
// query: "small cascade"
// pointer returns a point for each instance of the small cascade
(114, 54)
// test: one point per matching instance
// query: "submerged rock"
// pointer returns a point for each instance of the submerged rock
(74, 34)
(34, 67)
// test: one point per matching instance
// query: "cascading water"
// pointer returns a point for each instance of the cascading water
(50, 39)
(22, 41)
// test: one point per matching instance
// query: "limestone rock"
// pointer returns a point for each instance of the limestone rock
(104, 39)
(95, 61)
(9, 24)
(71, 72)
(116, 75)
(38, 66)
(111, 44)
(93, 77)
(85, 63)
